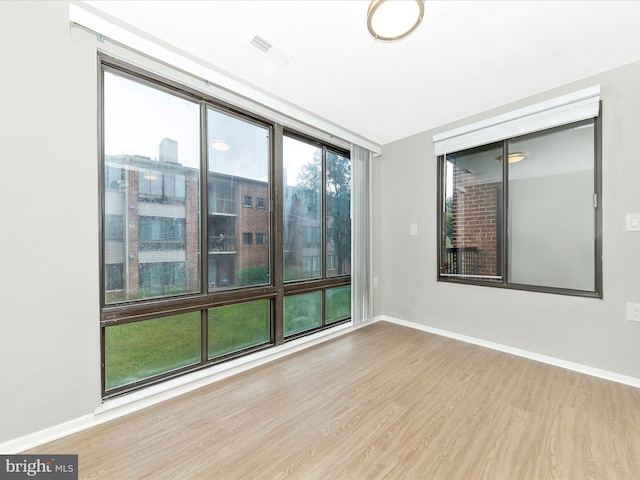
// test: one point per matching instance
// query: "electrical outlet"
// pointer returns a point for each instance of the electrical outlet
(633, 312)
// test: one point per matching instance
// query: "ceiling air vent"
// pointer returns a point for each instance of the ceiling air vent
(273, 52)
(261, 44)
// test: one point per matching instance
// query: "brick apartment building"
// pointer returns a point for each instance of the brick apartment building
(151, 228)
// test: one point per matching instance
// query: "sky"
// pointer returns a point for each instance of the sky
(137, 118)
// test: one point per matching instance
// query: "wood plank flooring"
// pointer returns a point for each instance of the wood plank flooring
(384, 401)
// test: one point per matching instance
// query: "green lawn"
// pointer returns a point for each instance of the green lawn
(135, 351)
(139, 350)
(338, 304)
(235, 327)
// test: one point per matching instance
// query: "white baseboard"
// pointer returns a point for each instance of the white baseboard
(118, 407)
(557, 362)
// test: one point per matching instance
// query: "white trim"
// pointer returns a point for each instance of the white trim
(118, 407)
(240, 93)
(563, 110)
(556, 362)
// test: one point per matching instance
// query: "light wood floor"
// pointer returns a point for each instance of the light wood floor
(382, 402)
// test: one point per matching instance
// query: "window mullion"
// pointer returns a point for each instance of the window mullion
(505, 213)
(204, 228)
(323, 229)
(277, 237)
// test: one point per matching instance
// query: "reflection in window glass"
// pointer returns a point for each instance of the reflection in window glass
(139, 350)
(302, 186)
(302, 312)
(473, 211)
(551, 214)
(238, 171)
(234, 327)
(337, 303)
(151, 142)
(338, 214)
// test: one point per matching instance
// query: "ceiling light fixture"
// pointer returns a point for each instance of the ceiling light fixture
(514, 157)
(390, 20)
(221, 145)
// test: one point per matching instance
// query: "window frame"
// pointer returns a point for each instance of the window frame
(139, 310)
(325, 282)
(504, 282)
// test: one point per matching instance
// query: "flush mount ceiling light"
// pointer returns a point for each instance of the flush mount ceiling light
(514, 157)
(390, 20)
(221, 145)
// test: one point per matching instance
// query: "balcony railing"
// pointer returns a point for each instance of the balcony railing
(461, 260)
(162, 244)
(222, 244)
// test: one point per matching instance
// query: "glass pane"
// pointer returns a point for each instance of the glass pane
(302, 186)
(234, 327)
(302, 312)
(338, 215)
(551, 214)
(151, 227)
(472, 227)
(337, 303)
(238, 173)
(139, 350)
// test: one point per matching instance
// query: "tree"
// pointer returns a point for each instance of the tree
(338, 201)
(448, 222)
(339, 207)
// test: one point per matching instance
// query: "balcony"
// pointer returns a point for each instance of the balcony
(461, 261)
(222, 244)
(222, 206)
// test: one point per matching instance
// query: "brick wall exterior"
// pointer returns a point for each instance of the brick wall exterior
(131, 179)
(475, 206)
(192, 225)
(253, 220)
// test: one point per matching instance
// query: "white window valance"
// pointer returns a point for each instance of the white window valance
(570, 108)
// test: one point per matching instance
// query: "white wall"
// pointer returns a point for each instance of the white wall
(586, 331)
(49, 331)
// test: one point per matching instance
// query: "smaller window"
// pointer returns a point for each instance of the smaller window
(247, 238)
(260, 202)
(247, 201)
(261, 238)
(113, 276)
(114, 227)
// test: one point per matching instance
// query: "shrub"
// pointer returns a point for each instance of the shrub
(253, 276)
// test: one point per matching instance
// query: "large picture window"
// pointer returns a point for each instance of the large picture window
(201, 261)
(524, 212)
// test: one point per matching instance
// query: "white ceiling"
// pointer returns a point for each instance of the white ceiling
(465, 58)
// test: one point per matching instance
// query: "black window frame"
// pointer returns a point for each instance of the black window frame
(504, 282)
(138, 310)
